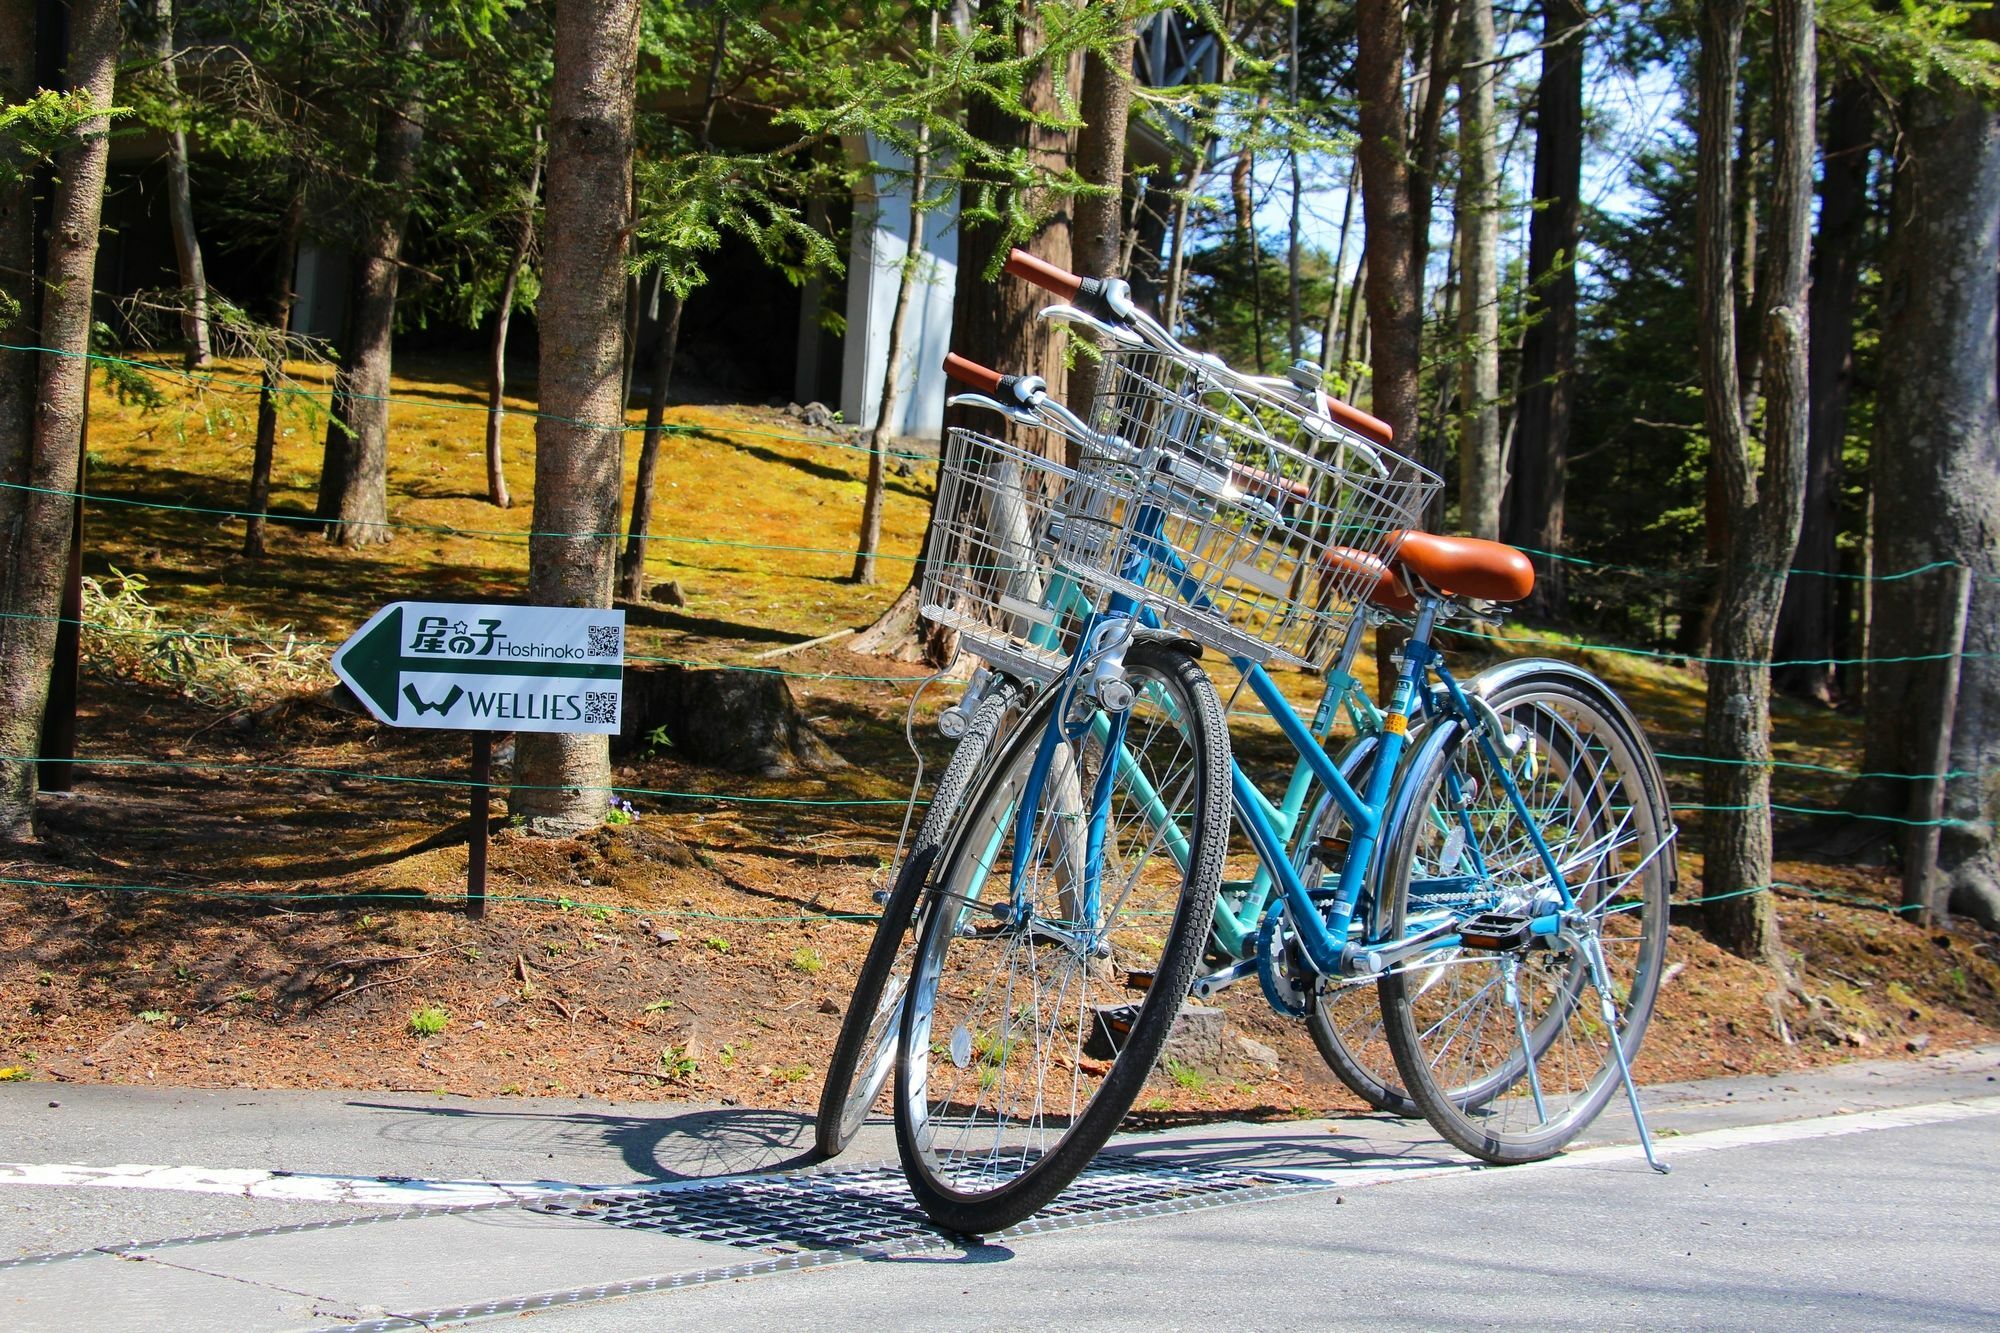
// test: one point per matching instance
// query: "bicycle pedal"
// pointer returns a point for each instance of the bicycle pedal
(1110, 1028)
(1500, 932)
(1139, 981)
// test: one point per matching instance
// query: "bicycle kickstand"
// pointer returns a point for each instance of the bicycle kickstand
(1593, 952)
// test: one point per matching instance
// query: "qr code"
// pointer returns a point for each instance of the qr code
(603, 641)
(600, 706)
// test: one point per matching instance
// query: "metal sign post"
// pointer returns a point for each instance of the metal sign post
(454, 666)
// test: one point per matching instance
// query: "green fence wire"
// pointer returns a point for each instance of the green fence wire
(363, 897)
(208, 379)
(363, 775)
(212, 379)
(1481, 636)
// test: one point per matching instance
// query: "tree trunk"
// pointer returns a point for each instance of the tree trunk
(659, 384)
(634, 298)
(1440, 69)
(577, 450)
(43, 453)
(496, 356)
(1764, 508)
(1327, 333)
(1809, 623)
(1295, 327)
(1170, 302)
(1749, 179)
(1100, 161)
(1936, 465)
(994, 322)
(19, 293)
(1395, 285)
(180, 198)
(1533, 512)
(354, 477)
(265, 451)
(1247, 241)
(892, 377)
(1352, 330)
(1481, 469)
(660, 376)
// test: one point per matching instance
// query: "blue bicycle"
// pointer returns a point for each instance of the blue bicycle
(1501, 883)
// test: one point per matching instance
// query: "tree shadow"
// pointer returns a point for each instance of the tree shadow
(647, 615)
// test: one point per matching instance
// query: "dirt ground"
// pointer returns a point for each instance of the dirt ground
(280, 891)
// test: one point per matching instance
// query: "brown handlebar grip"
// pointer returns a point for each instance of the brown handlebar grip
(1369, 428)
(972, 374)
(1047, 276)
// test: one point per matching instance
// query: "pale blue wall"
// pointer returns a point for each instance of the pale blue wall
(880, 240)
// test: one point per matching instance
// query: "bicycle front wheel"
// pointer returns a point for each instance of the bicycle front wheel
(1056, 948)
(1509, 1049)
(865, 1052)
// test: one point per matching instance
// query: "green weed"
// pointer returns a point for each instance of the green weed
(676, 1064)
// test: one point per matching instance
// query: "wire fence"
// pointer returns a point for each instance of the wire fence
(1488, 639)
(360, 897)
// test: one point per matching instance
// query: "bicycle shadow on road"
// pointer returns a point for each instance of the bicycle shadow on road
(652, 1147)
(1383, 1144)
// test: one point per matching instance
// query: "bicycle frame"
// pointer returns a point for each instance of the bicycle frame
(1325, 930)
(1236, 922)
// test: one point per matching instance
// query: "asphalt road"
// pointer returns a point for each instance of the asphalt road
(1894, 1229)
(1858, 1198)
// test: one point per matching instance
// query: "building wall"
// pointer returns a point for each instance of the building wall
(880, 240)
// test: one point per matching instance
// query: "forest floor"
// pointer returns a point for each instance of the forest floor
(244, 895)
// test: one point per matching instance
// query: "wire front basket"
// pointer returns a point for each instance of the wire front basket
(1259, 521)
(993, 572)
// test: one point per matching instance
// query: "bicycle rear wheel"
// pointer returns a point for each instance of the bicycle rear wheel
(865, 1052)
(1056, 950)
(1508, 1050)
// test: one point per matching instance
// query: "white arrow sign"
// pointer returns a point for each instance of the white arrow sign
(462, 667)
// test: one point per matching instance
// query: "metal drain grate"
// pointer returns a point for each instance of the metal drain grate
(776, 1214)
(871, 1209)
(797, 1222)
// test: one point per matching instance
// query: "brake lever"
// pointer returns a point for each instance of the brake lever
(1069, 314)
(1018, 415)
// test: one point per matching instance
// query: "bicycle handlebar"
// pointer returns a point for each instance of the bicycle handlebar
(1025, 398)
(1090, 295)
(975, 376)
(1032, 268)
(1370, 428)
(1093, 295)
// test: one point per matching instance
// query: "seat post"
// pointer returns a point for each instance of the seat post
(1417, 657)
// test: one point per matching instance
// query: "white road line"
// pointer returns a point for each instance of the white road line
(401, 1192)
(290, 1187)
(1671, 1147)
(1789, 1131)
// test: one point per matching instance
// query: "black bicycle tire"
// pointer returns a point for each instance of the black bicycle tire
(832, 1132)
(1444, 1114)
(1029, 1192)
